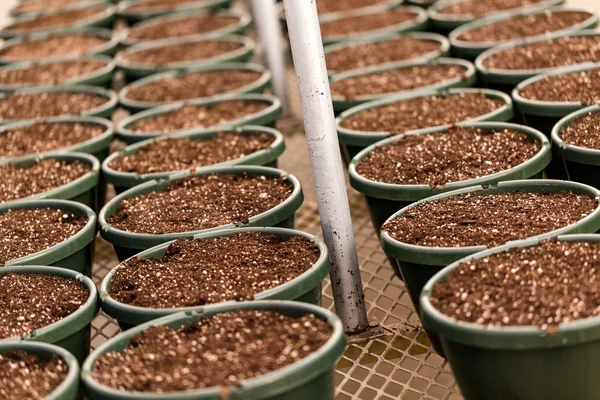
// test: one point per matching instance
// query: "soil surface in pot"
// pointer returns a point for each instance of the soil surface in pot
(52, 46)
(200, 202)
(552, 53)
(34, 230)
(180, 154)
(329, 6)
(181, 27)
(523, 26)
(182, 52)
(396, 80)
(198, 272)
(582, 87)
(190, 116)
(422, 112)
(193, 85)
(42, 5)
(14, 106)
(222, 350)
(51, 73)
(478, 8)
(366, 22)
(583, 132)
(455, 154)
(545, 286)
(150, 5)
(19, 182)
(473, 219)
(359, 55)
(32, 301)
(54, 20)
(26, 376)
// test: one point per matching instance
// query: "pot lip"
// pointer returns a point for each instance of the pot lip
(124, 8)
(275, 149)
(481, 46)
(382, 5)
(71, 323)
(421, 191)
(244, 20)
(72, 377)
(123, 130)
(318, 270)
(507, 337)
(259, 83)
(302, 370)
(110, 233)
(435, 15)
(414, 251)
(572, 152)
(14, 12)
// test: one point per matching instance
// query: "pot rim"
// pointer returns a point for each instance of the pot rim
(443, 19)
(572, 152)
(124, 8)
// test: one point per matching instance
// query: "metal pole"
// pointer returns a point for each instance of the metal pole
(326, 162)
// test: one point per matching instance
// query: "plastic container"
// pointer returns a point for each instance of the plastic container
(124, 9)
(353, 141)
(69, 388)
(527, 362)
(312, 377)
(127, 244)
(258, 86)
(266, 117)
(17, 11)
(470, 50)
(305, 288)
(125, 180)
(341, 103)
(72, 333)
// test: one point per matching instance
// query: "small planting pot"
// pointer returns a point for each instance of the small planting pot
(353, 141)
(266, 117)
(238, 28)
(72, 333)
(124, 9)
(17, 11)
(421, 3)
(75, 253)
(127, 244)
(527, 362)
(341, 103)
(69, 388)
(125, 180)
(312, 377)
(258, 86)
(304, 288)
(470, 50)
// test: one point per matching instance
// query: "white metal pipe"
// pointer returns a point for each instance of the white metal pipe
(326, 161)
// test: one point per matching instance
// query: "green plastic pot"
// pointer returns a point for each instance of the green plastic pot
(445, 23)
(17, 12)
(109, 48)
(127, 244)
(258, 86)
(419, 23)
(69, 387)
(305, 288)
(102, 19)
(518, 362)
(341, 103)
(124, 9)
(312, 377)
(470, 50)
(266, 117)
(239, 28)
(134, 70)
(125, 180)
(72, 333)
(353, 141)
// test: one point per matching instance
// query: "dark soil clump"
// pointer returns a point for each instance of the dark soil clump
(583, 132)
(478, 8)
(366, 22)
(52, 73)
(53, 46)
(47, 104)
(583, 87)
(198, 50)
(181, 27)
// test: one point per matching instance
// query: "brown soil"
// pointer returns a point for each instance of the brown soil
(39, 177)
(194, 273)
(366, 22)
(148, 5)
(545, 286)
(32, 301)
(422, 112)
(200, 202)
(547, 54)
(583, 87)
(34, 230)
(455, 154)
(25, 376)
(193, 85)
(181, 27)
(583, 132)
(47, 104)
(204, 354)
(181, 154)
(54, 20)
(42, 5)
(488, 219)
(61, 45)
(51, 73)
(190, 116)
(329, 6)
(479, 8)
(359, 55)
(198, 50)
